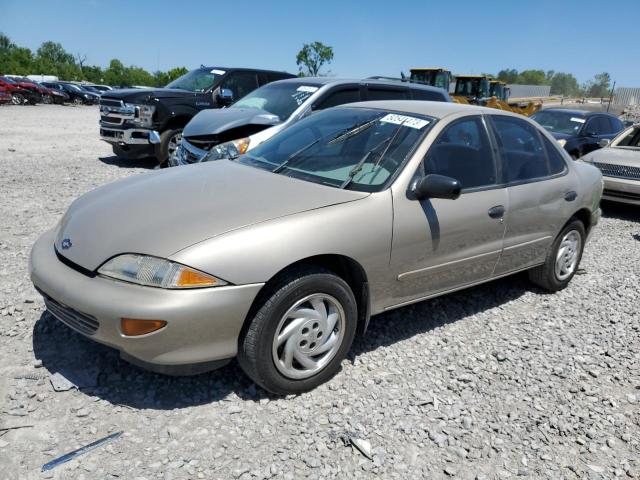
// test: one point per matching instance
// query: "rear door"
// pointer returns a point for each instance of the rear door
(539, 191)
(438, 244)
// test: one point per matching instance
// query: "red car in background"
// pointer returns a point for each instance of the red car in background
(22, 92)
(5, 96)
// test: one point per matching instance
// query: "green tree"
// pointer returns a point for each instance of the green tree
(509, 75)
(115, 73)
(311, 58)
(599, 86)
(564, 84)
(532, 77)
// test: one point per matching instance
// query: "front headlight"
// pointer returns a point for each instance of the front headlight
(562, 142)
(156, 272)
(87, 96)
(231, 149)
(143, 115)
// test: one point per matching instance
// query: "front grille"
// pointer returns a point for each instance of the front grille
(112, 120)
(619, 171)
(81, 322)
(107, 102)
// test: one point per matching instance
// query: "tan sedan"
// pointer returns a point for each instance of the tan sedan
(619, 162)
(280, 256)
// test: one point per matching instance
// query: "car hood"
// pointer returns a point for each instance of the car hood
(615, 155)
(163, 212)
(213, 122)
(561, 136)
(138, 95)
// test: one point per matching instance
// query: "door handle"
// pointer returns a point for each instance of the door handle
(570, 196)
(497, 211)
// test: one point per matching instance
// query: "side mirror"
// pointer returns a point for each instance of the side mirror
(225, 97)
(436, 186)
(604, 142)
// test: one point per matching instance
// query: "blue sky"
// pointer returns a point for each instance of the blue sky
(369, 38)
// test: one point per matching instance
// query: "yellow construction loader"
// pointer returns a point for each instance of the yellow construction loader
(476, 90)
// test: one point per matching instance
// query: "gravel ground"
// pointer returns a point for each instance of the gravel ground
(497, 381)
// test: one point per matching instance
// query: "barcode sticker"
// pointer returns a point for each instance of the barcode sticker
(405, 120)
(578, 119)
(307, 88)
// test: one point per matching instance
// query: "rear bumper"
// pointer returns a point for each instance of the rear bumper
(203, 325)
(621, 190)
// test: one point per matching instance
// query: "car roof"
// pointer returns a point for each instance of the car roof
(575, 111)
(424, 107)
(233, 69)
(369, 81)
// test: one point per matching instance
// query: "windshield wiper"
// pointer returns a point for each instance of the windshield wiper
(352, 131)
(294, 155)
(358, 166)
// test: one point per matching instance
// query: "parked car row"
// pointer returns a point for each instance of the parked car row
(21, 91)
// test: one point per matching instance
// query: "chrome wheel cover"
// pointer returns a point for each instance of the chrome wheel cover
(308, 336)
(568, 254)
(174, 141)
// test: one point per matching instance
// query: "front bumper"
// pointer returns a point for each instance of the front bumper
(621, 190)
(186, 154)
(127, 136)
(203, 325)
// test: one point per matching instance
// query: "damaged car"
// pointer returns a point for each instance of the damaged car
(227, 133)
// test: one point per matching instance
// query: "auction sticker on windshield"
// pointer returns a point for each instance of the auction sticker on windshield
(407, 121)
(579, 120)
(218, 72)
(307, 88)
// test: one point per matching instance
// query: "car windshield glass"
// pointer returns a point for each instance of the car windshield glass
(630, 138)
(355, 148)
(281, 99)
(8, 80)
(197, 80)
(560, 122)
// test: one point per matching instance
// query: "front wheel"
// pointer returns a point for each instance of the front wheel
(562, 260)
(17, 99)
(77, 101)
(300, 332)
(169, 141)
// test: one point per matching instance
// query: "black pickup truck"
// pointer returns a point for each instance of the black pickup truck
(148, 122)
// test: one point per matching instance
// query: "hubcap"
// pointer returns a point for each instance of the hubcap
(568, 253)
(308, 336)
(173, 143)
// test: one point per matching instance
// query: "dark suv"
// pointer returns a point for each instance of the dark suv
(578, 131)
(148, 122)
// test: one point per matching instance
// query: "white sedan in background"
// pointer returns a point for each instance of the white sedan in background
(619, 162)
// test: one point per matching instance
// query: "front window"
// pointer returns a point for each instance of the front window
(198, 80)
(629, 138)
(355, 148)
(559, 122)
(280, 99)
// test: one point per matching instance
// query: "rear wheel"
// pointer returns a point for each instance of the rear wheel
(300, 332)
(77, 101)
(563, 259)
(17, 99)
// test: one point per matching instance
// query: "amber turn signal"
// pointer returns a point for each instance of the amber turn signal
(191, 278)
(133, 326)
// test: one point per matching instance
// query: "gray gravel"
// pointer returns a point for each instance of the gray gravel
(498, 381)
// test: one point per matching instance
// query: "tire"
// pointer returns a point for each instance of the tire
(555, 274)
(77, 101)
(17, 99)
(169, 140)
(264, 360)
(47, 99)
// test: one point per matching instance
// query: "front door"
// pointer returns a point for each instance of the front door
(440, 245)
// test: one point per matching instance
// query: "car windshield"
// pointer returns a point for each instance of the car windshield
(198, 80)
(281, 99)
(630, 138)
(559, 122)
(8, 80)
(356, 148)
